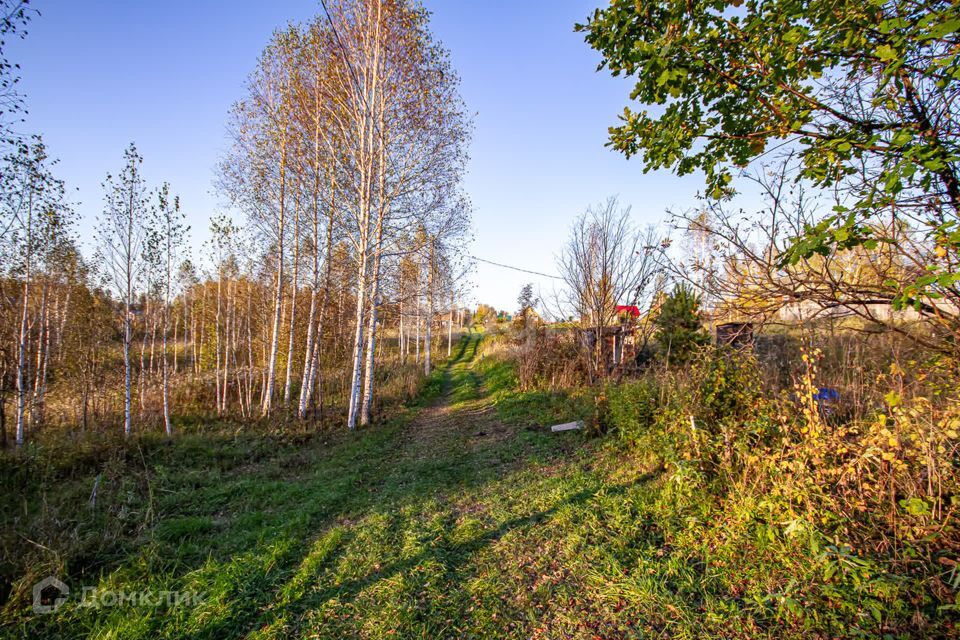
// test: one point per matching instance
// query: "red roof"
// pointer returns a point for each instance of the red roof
(631, 309)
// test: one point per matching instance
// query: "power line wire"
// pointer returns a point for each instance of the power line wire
(507, 266)
(343, 49)
(363, 97)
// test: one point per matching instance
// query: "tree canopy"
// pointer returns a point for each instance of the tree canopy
(863, 92)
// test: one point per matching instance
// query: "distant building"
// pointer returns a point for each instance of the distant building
(629, 310)
(619, 345)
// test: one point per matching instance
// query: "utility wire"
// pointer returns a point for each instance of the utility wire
(506, 266)
(346, 56)
(363, 97)
(353, 73)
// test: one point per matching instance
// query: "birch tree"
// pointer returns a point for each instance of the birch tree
(34, 215)
(353, 135)
(256, 174)
(164, 244)
(121, 235)
(401, 106)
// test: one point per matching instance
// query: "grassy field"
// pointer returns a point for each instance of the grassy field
(461, 518)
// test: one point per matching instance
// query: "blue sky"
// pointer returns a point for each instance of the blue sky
(100, 74)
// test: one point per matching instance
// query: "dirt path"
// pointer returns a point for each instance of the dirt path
(464, 416)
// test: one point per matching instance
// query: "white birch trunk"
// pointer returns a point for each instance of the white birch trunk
(167, 424)
(428, 332)
(355, 377)
(22, 359)
(293, 303)
(216, 337)
(307, 391)
(277, 304)
(372, 333)
(43, 345)
(400, 337)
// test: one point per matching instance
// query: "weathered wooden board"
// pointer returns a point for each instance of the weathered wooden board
(567, 426)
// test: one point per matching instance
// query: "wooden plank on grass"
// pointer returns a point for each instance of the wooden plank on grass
(567, 426)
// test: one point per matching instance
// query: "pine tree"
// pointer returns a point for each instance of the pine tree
(679, 331)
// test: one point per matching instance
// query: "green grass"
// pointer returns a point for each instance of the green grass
(531, 408)
(448, 525)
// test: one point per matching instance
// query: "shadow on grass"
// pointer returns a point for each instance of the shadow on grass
(455, 555)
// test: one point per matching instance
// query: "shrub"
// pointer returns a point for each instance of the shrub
(548, 359)
(727, 386)
(632, 408)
